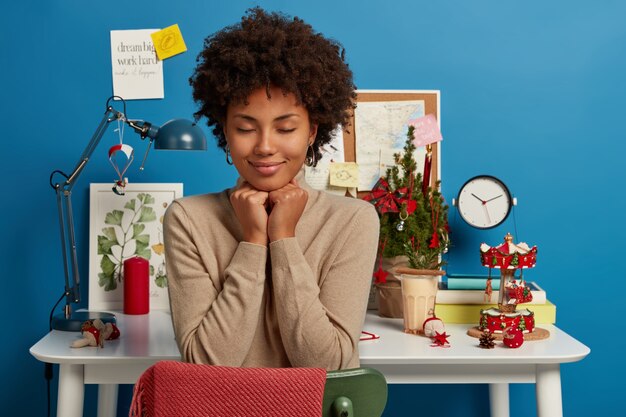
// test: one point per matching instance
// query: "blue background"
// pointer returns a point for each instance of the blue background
(531, 92)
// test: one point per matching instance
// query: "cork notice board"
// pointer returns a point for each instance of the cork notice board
(431, 106)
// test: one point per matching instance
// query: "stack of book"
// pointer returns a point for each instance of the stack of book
(460, 299)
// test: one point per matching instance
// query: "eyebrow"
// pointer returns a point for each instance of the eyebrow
(279, 118)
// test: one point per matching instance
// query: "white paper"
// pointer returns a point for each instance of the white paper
(137, 72)
(318, 177)
(382, 126)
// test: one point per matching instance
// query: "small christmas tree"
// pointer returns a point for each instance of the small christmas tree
(413, 217)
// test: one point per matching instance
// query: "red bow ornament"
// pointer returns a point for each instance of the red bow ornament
(386, 200)
(383, 198)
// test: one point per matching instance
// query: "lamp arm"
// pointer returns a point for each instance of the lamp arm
(66, 216)
(70, 294)
(110, 115)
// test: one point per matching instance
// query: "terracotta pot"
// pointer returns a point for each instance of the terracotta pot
(390, 293)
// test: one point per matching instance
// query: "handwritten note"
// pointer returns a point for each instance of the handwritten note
(318, 177)
(168, 42)
(137, 72)
(426, 130)
(344, 174)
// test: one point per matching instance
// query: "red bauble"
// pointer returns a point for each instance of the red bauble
(513, 337)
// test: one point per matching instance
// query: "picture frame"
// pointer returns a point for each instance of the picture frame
(123, 226)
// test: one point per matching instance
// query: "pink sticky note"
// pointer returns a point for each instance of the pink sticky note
(426, 130)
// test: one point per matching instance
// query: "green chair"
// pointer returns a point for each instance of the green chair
(171, 388)
(360, 392)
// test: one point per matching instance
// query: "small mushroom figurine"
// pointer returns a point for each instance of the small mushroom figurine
(110, 331)
(91, 336)
(432, 326)
(95, 332)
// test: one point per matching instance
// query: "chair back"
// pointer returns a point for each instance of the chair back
(360, 392)
(172, 388)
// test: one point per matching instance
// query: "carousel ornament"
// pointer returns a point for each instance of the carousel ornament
(509, 257)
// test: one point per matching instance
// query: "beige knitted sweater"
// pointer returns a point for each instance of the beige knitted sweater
(298, 302)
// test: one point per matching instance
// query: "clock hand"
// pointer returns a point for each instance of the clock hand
(481, 200)
(487, 214)
(491, 199)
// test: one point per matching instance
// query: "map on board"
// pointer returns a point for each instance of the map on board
(380, 131)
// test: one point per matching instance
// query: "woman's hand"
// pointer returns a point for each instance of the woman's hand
(250, 208)
(287, 205)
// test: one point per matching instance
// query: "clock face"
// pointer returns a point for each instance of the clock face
(484, 202)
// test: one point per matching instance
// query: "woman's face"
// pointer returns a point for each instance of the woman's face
(268, 138)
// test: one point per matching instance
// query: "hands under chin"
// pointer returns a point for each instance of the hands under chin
(287, 205)
(261, 225)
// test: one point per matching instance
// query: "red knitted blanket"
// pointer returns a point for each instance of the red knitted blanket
(177, 389)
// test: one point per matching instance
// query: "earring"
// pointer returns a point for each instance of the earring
(229, 160)
(310, 159)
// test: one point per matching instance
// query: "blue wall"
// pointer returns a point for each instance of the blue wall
(531, 92)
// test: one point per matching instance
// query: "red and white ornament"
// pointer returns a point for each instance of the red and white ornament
(513, 337)
(432, 326)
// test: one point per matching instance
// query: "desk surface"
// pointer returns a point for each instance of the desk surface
(151, 338)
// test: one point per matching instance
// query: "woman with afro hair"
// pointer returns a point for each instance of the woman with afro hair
(271, 273)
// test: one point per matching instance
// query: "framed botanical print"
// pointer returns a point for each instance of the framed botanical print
(124, 226)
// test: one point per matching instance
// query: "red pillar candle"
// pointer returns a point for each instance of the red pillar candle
(136, 286)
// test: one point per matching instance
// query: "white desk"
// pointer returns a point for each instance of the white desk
(403, 358)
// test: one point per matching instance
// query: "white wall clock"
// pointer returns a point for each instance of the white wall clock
(484, 202)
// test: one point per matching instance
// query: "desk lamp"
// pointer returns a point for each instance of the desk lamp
(175, 134)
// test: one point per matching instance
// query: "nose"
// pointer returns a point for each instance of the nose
(265, 143)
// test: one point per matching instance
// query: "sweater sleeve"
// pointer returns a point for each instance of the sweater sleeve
(320, 324)
(214, 324)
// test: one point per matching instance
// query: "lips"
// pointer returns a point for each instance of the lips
(267, 168)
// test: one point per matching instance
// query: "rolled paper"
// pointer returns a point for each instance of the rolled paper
(136, 286)
(427, 169)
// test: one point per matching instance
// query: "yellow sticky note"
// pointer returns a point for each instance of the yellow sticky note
(344, 174)
(168, 42)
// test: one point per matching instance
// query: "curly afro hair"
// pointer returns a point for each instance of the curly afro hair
(272, 49)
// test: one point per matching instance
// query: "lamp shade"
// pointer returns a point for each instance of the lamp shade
(178, 134)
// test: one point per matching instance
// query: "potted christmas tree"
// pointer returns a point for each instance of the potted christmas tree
(413, 226)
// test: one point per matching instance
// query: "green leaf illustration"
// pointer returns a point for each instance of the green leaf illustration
(107, 281)
(147, 215)
(144, 253)
(104, 245)
(130, 205)
(108, 267)
(145, 198)
(114, 217)
(144, 240)
(137, 229)
(161, 281)
(119, 236)
(109, 232)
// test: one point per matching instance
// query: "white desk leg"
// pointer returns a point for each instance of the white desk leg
(548, 388)
(499, 400)
(107, 400)
(71, 390)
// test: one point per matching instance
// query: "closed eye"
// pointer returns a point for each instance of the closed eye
(242, 130)
(286, 130)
